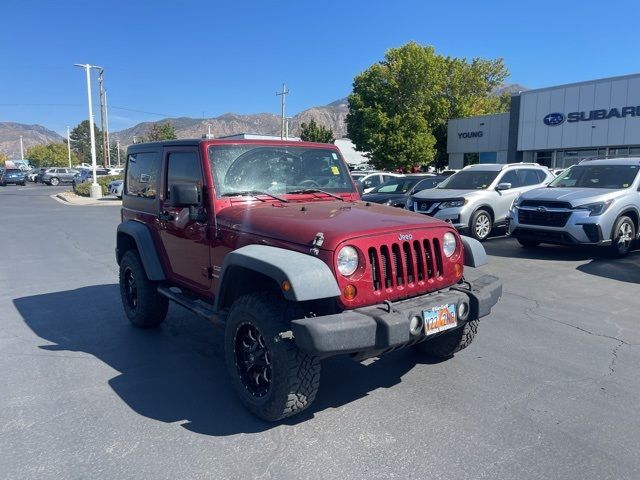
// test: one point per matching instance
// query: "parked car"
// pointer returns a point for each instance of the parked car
(593, 203)
(12, 176)
(58, 175)
(478, 197)
(396, 191)
(115, 187)
(297, 270)
(32, 174)
(116, 170)
(85, 175)
(373, 179)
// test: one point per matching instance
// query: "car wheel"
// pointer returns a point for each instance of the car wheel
(528, 243)
(624, 233)
(24, 183)
(273, 378)
(54, 182)
(447, 344)
(480, 225)
(142, 303)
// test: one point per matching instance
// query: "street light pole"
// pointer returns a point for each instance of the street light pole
(21, 149)
(69, 145)
(96, 191)
(106, 121)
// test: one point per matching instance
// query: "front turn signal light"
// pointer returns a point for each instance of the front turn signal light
(458, 269)
(350, 292)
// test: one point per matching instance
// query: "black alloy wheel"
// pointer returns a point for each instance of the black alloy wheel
(253, 360)
(130, 289)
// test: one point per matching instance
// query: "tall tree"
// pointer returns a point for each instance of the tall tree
(399, 108)
(3, 158)
(312, 132)
(51, 155)
(81, 142)
(161, 131)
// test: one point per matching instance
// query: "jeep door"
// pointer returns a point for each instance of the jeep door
(184, 239)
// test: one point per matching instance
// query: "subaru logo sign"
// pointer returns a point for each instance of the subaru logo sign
(553, 119)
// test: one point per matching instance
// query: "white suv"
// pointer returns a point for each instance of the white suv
(478, 197)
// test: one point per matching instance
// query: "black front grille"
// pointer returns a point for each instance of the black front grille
(543, 218)
(545, 203)
(405, 263)
(592, 231)
(424, 205)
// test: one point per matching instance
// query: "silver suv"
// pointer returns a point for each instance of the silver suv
(596, 202)
(478, 197)
(56, 176)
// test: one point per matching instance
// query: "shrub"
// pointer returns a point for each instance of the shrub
(84, 188)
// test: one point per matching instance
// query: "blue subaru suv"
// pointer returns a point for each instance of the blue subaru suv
(12, 175)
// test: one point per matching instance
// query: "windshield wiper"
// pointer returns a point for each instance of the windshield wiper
(316, 190)
(254, 193)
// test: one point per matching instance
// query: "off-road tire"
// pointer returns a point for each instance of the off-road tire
(528, 243)
(150, 308)
(619, 249)
(54, 182)
(447, 344)
(295, 375)
(477, 216)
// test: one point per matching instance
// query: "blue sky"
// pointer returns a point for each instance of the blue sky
(195, 58)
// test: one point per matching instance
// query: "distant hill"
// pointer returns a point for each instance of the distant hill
(332, 116)
(510, 88)
(10, 133)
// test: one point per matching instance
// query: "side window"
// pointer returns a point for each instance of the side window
(528, 176)
(372, 181)
(142, 174)
(183, 167)
(542, 176)
(511, 177)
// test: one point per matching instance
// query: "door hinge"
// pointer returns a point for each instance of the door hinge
(207, 272)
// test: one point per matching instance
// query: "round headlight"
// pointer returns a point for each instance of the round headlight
(449, 244)
(347, 260)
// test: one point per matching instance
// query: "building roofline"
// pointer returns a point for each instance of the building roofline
(577, 84)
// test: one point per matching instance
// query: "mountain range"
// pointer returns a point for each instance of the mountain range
(332, 116)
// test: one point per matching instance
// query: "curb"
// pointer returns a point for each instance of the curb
(78, 201)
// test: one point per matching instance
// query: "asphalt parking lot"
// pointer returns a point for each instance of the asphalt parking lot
(549, 389)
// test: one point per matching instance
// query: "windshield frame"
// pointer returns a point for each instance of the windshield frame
(333, 159)
(568, 171)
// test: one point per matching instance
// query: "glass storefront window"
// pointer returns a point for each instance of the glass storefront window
(544, 158)
(488, 157)
(471, 158)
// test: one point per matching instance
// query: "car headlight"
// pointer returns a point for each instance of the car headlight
(347, 260)
(449, 244)
(453, 203)
(409, 203)
(597, 208)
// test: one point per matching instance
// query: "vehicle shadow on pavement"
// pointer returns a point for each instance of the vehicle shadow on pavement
(510, 248)
(176, 373)
(622, 269)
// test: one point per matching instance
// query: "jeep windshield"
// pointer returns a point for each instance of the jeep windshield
(469, 180)
(277, 170)
(597, 176)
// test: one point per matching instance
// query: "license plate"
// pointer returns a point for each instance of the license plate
(438, 319)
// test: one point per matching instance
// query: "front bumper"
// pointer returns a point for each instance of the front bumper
(382, 327)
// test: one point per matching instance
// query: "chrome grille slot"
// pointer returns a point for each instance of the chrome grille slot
(419, 260)
(408, 261)
(385, 260)
(374, 261)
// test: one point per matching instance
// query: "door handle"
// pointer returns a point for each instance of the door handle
(165, 217)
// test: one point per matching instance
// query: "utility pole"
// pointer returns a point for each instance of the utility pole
(106, 119)
(101, 86)
(69, 146)
(96, 191)
(283, 94)
(118, 147)
(21, 149)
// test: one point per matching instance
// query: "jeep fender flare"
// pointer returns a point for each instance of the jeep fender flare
(309, 277)
(474, 253)
(132, 231)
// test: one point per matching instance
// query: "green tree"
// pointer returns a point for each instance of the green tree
(3, 158)
(312, 132)
(161, 131)
(81, 142)
(399, 108)
(51, 155)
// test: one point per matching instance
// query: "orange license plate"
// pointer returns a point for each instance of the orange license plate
(439, 319)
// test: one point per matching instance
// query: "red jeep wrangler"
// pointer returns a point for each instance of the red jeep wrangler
(270, 239)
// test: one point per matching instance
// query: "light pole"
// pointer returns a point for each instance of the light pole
(69, 146)
(96, 191)
(118, 150)
(21, 149)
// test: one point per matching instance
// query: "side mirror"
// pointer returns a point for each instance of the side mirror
(184, 195)
(503, 186)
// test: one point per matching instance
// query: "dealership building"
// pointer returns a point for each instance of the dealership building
(554, 126)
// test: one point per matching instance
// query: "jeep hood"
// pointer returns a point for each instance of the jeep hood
(445, 193)
(575, 196)
(338, 221)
